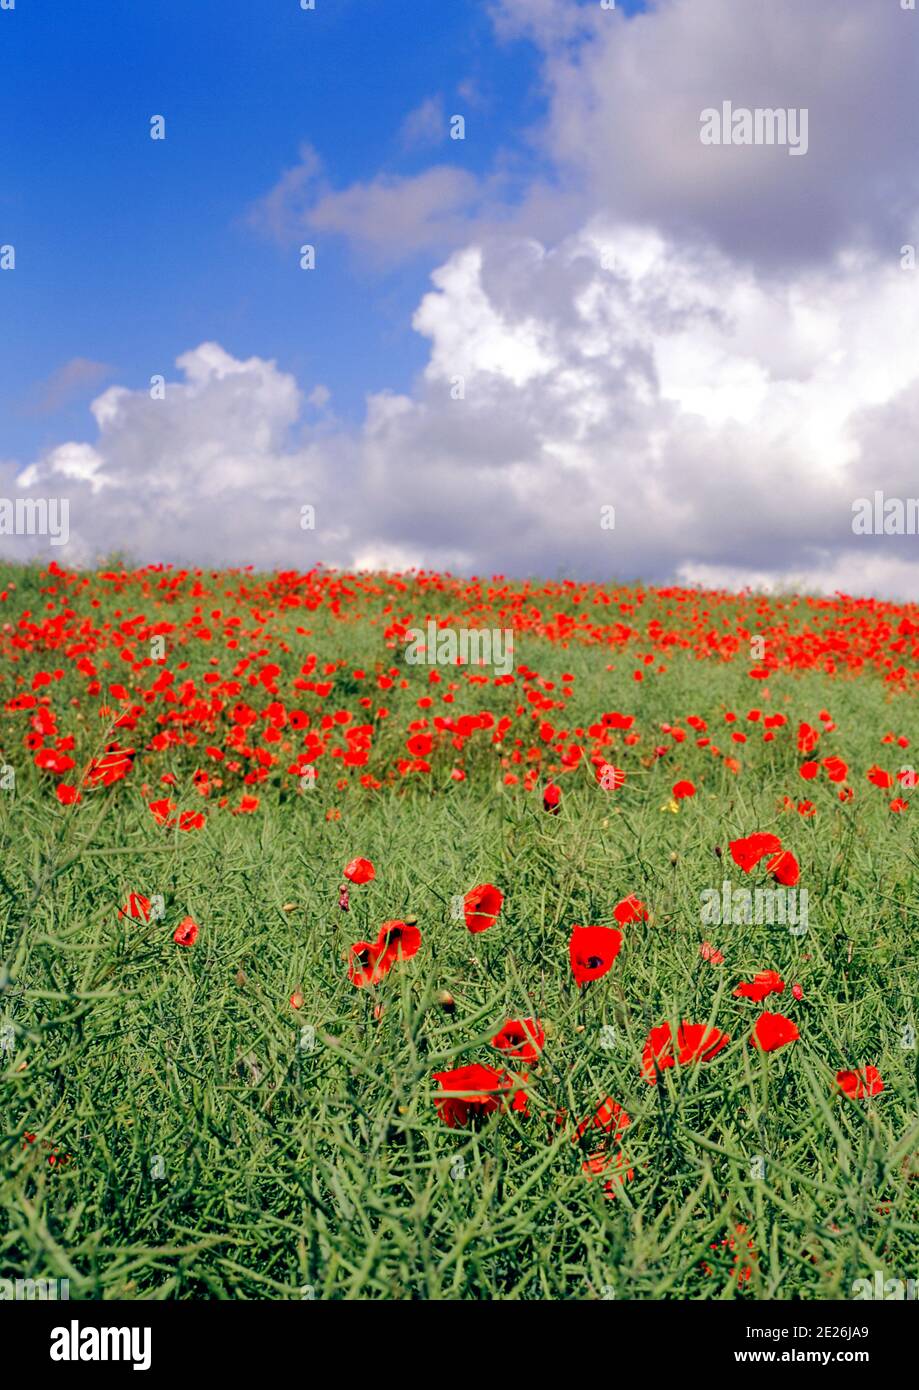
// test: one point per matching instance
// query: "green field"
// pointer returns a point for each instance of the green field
(212, 1141)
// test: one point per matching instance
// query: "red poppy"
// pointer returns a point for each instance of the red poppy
(765, 983)
(371, 960)
(551, 797)
(114, 764)
(360, 871)
(747, 852)
(609, 1117)
(186, 933)
(807, 738)
(784, 868)
(50, 761)
(592, 951)
(137, 907)
(631, 909)
(67, 796)
(858, 1084)
(599, 1164)
(709, 952)
(772, 1031)
(879, 778)
(474, 1093)
(523, 1038)
(682, 790)
(481, 906)
(695, 1042)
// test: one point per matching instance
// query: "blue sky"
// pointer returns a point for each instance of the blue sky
(130, 251)
(583, 305)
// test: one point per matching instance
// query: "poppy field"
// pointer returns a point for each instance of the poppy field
(328, 974)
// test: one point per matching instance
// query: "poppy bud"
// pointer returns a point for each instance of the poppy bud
(296, 1000)
(717, 851)
(343, 901)
(241, 978)
(446, 1001)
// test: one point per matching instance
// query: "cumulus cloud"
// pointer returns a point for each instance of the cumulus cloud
(625, 96)
(391, 216)
(714, 343)
(730, 421)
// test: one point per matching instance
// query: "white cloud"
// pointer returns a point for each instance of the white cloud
(719, 342)
(730, 418)
(625, 96)
(425, 125)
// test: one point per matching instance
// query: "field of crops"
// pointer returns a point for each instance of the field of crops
(622, 1003)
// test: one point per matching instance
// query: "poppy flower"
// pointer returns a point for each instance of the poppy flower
(784, 868)
(599, 1165)
(695, 1042)
(474, 1093)
(50, 761)
(609, 1117)
(683, 789)
(711, 953)
(765, 983)
(67, 796)
(807, 738)
(747, 852)
(630, 909)
(858, 1084)
(138, 908)
(551, 797)
(186, 933)
(371, 960)
(879, 778)
(592, 951)
(772, 1031)
(360, 871)
(481, 906)
(742, 1267)
(114, 764)
(523, 1038)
